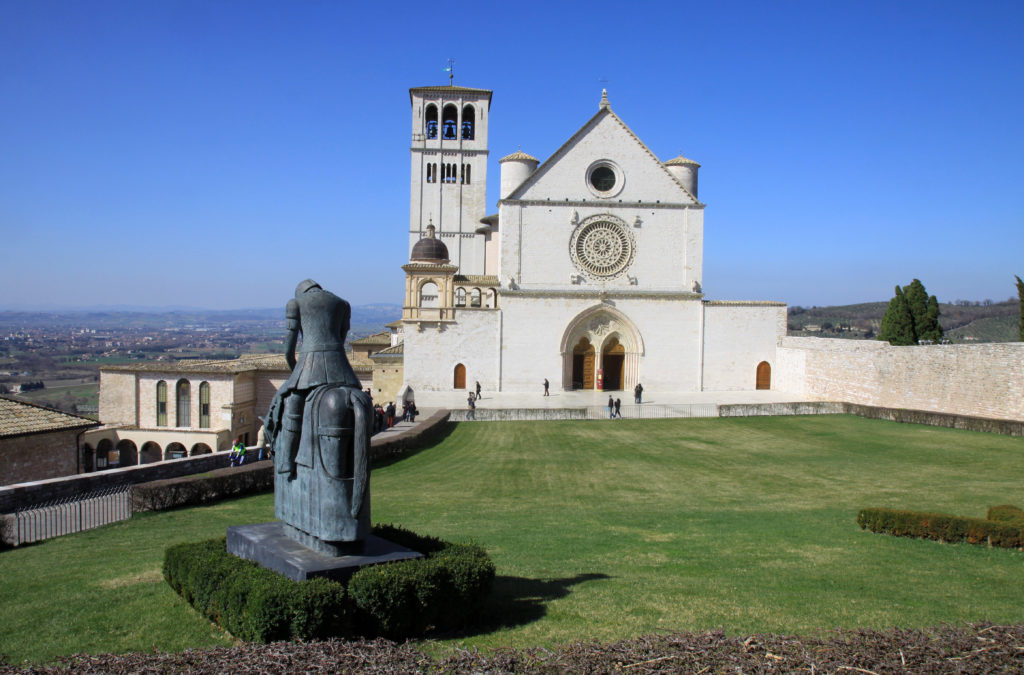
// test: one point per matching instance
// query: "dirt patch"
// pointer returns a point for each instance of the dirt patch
(980, 648)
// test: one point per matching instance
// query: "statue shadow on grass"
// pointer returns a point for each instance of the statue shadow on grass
(517, 601)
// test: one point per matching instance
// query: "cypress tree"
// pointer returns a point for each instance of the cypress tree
(917, 299)
(930, 328)
(1020, 295)
(898, 322)
(912, 315)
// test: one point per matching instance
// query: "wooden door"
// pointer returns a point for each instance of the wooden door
(764, 375)
(460, 376)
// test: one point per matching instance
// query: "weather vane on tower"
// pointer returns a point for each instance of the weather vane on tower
(450, 69)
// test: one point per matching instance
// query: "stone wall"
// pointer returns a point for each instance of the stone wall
(38, 456)
(117, 398)
(27, 494)
(983, 380)
(737, 337)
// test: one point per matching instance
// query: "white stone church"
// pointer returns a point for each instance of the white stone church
(590, 275)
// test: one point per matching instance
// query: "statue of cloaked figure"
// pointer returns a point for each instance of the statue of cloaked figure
(319, 426)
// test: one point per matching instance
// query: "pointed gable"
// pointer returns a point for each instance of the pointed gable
(605, 138)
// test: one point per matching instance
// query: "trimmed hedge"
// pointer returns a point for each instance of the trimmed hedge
(1004, 513)
(220, 484)
(444, 590)
(941, 527)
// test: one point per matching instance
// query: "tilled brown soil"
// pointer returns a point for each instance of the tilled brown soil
(979, 648)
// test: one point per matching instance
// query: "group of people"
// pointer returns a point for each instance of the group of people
(385, 417)
(614, 408)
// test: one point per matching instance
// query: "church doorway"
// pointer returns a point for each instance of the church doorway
(613, 359)
(460, 376)
(583, 365)
(764, 375)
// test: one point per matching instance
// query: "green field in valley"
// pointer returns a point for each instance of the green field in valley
(605, 530)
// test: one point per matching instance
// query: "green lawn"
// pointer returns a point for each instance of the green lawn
(605, 530)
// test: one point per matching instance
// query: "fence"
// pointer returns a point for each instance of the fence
(657, 411)
(73, 514)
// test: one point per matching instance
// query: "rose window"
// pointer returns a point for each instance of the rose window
(602, 247)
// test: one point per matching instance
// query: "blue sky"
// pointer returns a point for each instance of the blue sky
(214, 153)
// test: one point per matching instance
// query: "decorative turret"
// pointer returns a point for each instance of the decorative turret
(515, 169)
(685, 170)
(429, 249)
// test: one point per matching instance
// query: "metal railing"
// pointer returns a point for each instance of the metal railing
(657, 411)
(73, 514)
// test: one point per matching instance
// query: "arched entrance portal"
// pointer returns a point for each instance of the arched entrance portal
(601, 340)
(613, 360)
(764, 375)
(583, 365)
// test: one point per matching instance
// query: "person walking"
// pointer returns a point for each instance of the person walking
(546, 393)
(618, 407)
(470, 407)
(478, 390)
(638, 393)
(611, 408)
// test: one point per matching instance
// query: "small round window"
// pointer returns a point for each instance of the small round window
(602, 178)
(605, 179)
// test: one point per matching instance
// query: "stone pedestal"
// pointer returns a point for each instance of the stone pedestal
(267, 544)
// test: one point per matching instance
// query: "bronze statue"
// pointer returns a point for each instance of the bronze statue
(319, 426)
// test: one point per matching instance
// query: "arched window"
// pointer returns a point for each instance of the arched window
(492, 298)
(204, 405)
(460, 297)
(459, 377)
(428, 294)
(183, 396)
(450, 122)
(161, 404)
(431, 121)
(465, 174)
(430, 173)
(474, 300)
(468, 120)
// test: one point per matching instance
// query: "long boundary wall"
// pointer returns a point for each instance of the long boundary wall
(984, 380)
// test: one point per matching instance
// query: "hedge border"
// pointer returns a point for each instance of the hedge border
(444, 590)
(943, 527)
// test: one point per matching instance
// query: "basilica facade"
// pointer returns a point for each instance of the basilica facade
(590, 274)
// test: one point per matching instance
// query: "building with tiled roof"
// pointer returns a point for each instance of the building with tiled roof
(153, 411)
(37, 443)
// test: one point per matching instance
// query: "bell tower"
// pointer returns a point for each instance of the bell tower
(448, 187)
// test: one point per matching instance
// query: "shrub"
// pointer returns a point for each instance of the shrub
(1005, 513)
(171, 493)
(941, 527)
(445, 589)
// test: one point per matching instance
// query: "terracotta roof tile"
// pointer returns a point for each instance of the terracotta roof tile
(18, 418)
